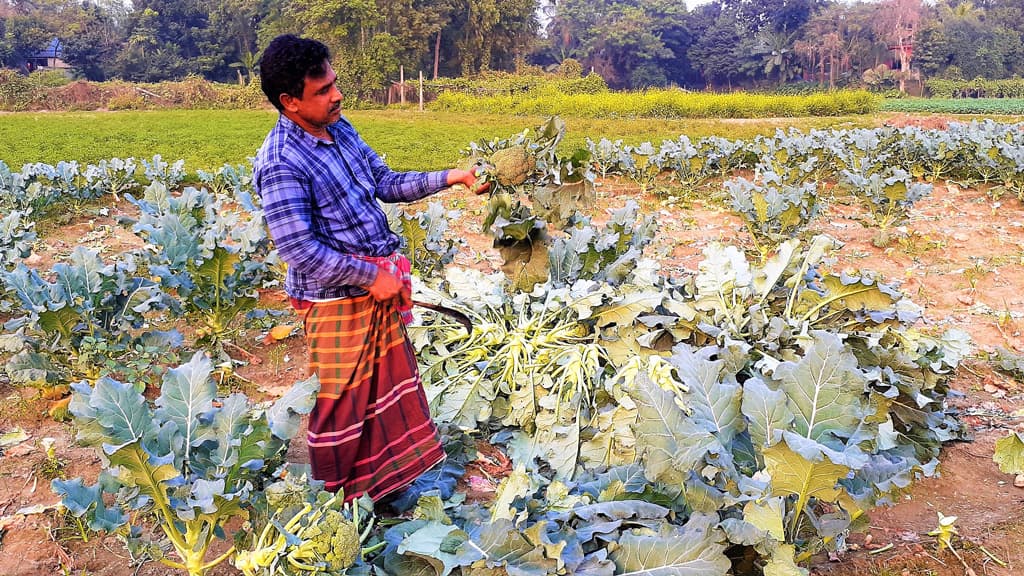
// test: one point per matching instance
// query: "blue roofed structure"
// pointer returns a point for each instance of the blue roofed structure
(51, 57)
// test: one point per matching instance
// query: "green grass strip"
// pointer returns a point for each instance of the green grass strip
(410, 140)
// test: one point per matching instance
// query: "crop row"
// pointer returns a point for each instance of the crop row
(987, 106)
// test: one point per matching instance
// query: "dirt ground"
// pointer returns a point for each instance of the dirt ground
(961, 257)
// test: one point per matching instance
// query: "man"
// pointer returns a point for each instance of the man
(370, 431)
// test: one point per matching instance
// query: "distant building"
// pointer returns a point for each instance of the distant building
(49, 58)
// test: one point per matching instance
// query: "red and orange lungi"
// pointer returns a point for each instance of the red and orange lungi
(370, 431)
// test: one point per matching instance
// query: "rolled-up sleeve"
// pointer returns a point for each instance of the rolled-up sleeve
(288, 212)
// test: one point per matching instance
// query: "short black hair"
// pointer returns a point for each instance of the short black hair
(286, 62)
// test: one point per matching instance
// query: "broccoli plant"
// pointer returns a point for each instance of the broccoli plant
(423, 236)
(888, 196)
(685, 160)
(773, 214)
(157, 170)
(85, 323)
(607, 254)
(525, 168)
(16, 237)
(114, 176)
(232, 180)
(189, 464)
(644, 165)
(211, 254)
(607, 157)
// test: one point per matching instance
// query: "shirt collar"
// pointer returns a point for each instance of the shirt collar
(289, 125)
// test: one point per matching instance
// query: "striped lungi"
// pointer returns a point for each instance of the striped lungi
(370, 431)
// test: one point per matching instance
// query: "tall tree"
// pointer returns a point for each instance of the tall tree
(23, 32)
(716, 48)
(626, 42)
(897, 24)
(966, 40)
(92, 40)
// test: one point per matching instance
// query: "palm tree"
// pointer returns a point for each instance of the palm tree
(778, 54)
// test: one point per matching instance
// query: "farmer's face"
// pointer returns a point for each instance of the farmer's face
(320, 104)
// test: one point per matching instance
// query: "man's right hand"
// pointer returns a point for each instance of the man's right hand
(385, 286)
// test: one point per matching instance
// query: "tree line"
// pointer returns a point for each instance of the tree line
(724, 44)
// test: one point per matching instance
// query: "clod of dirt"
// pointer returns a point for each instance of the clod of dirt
(1019, 481)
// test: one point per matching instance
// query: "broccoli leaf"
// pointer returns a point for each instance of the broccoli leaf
(694, 549)
(824, 389)
(186, 394)
(670, 443)
(284, 415)
(714, 393)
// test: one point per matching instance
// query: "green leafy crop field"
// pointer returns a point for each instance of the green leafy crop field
(678, 351)
(411, 140)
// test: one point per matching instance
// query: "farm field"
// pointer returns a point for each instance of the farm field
(957, 253)
(412, 140)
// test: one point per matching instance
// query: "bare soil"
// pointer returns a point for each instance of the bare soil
(960, 256)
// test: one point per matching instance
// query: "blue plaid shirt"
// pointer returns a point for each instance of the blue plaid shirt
(320, 203)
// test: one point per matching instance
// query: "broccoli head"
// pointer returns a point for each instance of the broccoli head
(512, 165)
(334, 540)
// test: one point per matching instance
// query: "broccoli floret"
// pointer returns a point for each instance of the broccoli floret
(335, 541)
(512, 165)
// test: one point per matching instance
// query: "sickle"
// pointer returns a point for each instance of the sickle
(454, 314)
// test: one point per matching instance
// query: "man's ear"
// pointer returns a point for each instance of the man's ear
(289, 102)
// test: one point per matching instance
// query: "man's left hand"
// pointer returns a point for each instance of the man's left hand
(467, 179)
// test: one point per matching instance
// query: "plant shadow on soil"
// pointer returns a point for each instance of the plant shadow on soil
(960, 257)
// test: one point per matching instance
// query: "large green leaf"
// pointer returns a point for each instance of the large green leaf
(151, 475)
(121, 413)
(1009, 454)
(670, 443)
(75, 495)
(825, 389)
(425, 543)
(28, 367)
(83, 277)
(214, 442)
(465, 401)
(61, 321)
(696, 549)
(187, 392)
(767, 516)
(284, 414)
(843, 293)
(415, 237)
(766, 412)
(714, 396)
(782, 562)
(215, 270)
(556, 204)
